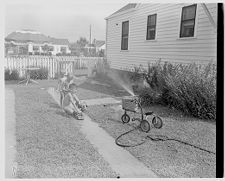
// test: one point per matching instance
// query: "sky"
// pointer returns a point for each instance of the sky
(68, 19)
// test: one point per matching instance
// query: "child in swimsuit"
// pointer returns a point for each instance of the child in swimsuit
(71, 103)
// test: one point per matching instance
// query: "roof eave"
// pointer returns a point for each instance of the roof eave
(121, 13)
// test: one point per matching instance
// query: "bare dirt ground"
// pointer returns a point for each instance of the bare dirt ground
(48, 146)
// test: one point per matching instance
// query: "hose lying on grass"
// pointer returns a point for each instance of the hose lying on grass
(157, 138)
(152, 138)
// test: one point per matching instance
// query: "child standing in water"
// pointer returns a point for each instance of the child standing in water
(71, 104)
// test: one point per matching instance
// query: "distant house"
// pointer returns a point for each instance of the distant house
(32, 42)
(140, 33)
(99, 44)
(96, 46)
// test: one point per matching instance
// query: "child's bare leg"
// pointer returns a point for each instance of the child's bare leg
(61, 98)
(76, 109)
(68, 110)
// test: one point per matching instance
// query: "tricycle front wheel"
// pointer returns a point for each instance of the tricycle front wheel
(125, 118)
(145, 126)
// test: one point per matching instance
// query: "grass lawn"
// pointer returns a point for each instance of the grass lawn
(49, 144)
(169, 158)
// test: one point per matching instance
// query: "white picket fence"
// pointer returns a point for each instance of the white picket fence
(54, 64)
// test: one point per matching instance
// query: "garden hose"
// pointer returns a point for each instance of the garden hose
(157, 138)
(153, 138)
(123, 145)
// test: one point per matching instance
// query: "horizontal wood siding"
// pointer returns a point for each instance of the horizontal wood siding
(167, 46)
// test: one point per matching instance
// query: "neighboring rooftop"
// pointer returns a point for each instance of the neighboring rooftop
(99, 43)
(35, 37)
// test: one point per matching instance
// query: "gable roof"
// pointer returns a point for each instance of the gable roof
(27, 36)
(125, 8)
(99, 43)
(59, 41)
(128, 6)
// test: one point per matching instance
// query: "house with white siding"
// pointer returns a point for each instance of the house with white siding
(178, 33)
(33, 42)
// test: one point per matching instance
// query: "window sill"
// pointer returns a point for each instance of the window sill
(124, 50)
(187, 38)
(155, 40)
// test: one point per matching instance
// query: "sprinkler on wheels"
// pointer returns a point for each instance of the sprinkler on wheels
(132, 104)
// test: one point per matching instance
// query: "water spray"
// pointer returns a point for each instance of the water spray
(125, 84)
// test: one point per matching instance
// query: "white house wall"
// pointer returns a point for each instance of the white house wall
(167, 46)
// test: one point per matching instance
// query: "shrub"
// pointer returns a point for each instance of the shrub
(149, 96)
(41, 73)
(193, 90)
(11, 75)
(190, 88)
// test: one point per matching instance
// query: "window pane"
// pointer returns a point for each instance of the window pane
(125, 31)
(125, 28)
(151, 33)
(187, 28)
(151, 27)
(152, 20)
(124, 43)
(189, 12)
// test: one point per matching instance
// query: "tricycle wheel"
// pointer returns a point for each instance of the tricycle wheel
(145, 126)
(125, 118)
(157, 122)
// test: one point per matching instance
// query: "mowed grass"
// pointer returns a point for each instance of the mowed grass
(48, 142)
(166, 159)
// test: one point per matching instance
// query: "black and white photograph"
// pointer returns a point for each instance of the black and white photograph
(110, 89)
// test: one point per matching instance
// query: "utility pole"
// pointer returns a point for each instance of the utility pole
(90, 35)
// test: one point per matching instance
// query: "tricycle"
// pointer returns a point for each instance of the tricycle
(133, 104)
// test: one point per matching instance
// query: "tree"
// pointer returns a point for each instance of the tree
(82, 42)
(45, 48)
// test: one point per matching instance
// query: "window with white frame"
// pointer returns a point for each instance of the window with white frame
(125, 33)
(187, 26)
(151, 27)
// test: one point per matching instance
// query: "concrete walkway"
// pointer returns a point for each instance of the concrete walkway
(120, 160)
(10, 139)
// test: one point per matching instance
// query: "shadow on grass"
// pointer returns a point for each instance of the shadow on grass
(53, 105)
(8, 82)
(63, 114)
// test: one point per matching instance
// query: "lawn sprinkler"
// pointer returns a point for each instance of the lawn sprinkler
(133, 104)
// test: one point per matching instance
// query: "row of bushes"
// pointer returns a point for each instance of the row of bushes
(41, 73)
(190, 88)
